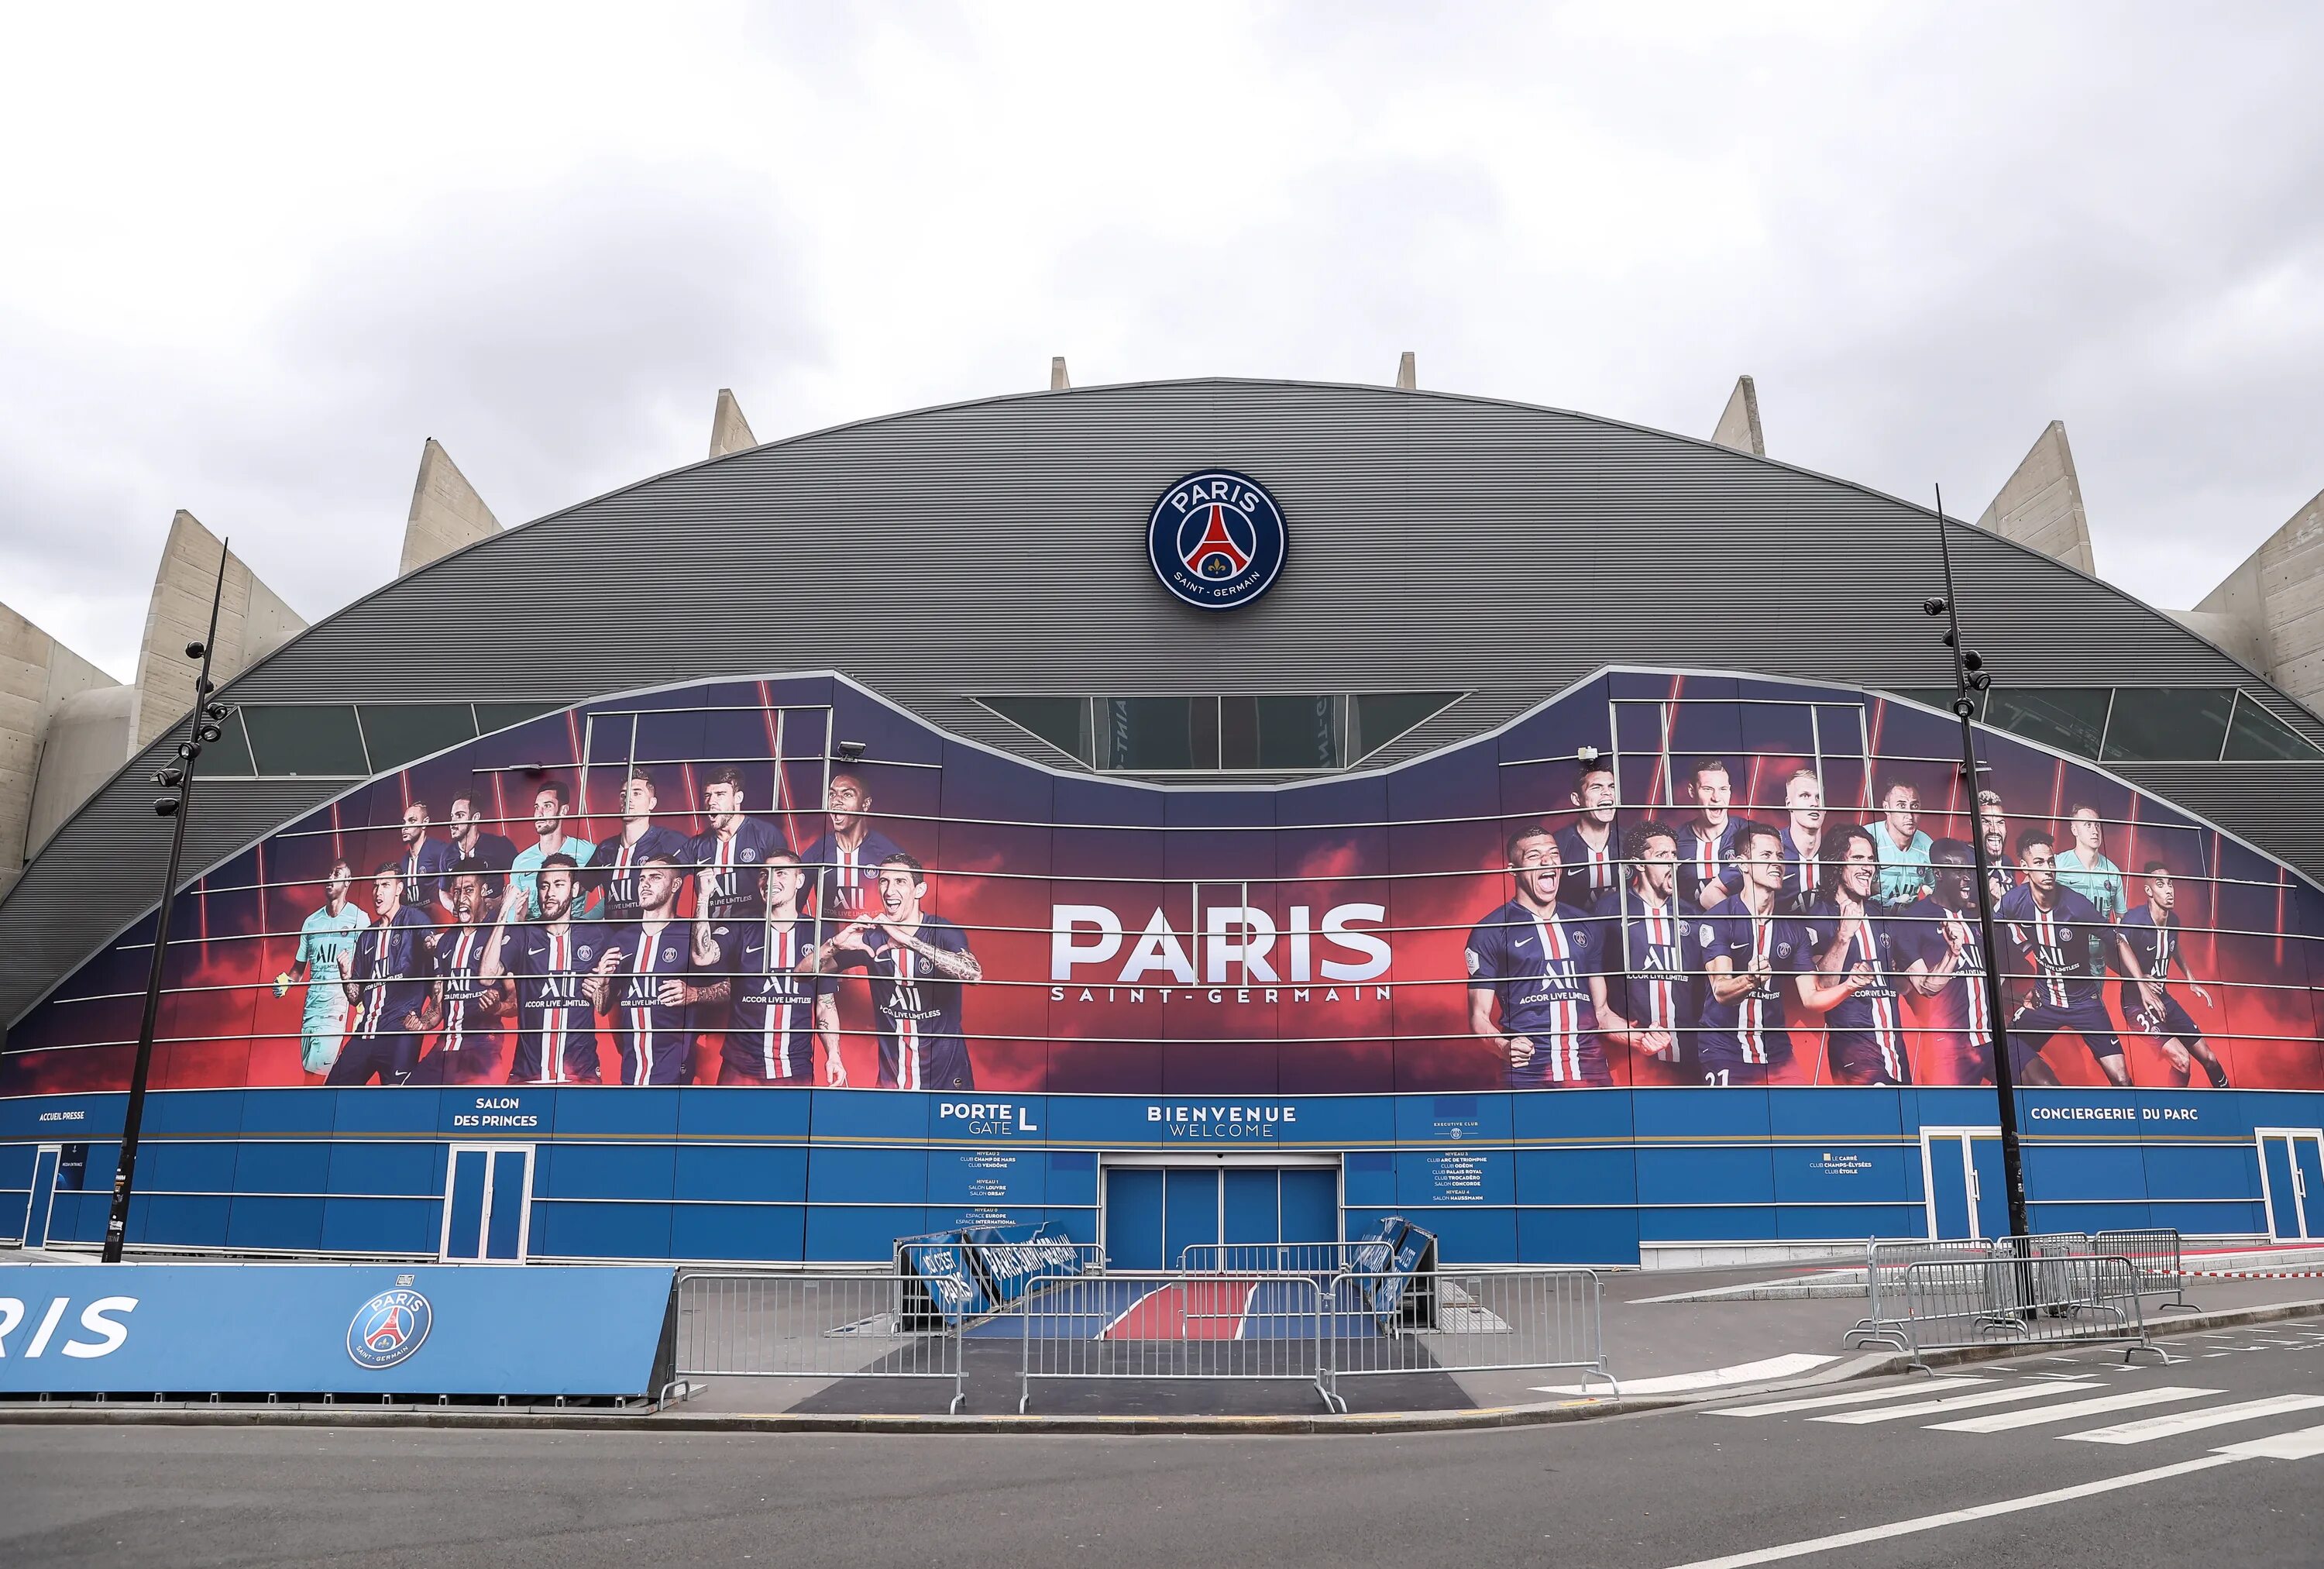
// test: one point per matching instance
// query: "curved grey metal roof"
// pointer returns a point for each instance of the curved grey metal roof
(1438, 542)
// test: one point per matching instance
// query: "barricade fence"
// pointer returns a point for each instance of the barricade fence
(1159, 1325)
(1885, 1264)
(2034, 1296)
(1450, 1321)
(811, 1326)
(2158, 1255)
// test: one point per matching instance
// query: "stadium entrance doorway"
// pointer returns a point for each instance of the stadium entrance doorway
(2291, 1179)
(1960, 1173)
(1153, 1211)
(37, 1203)
(487, 1203)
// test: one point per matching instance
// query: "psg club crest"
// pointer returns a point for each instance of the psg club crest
(389, 1328)
(1216, 540)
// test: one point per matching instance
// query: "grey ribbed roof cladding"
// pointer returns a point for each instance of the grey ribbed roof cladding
(1437, 542)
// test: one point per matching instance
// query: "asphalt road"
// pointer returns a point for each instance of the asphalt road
(1654, 1490)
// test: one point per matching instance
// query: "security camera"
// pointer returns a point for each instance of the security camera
(171, 778)
(1933, 606)
(1585, 754)
(165, 807)
(195, 651)
(1980, 682)
(1965, 706)
(1973, 660)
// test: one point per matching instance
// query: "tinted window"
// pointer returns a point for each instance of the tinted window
(229, 754)
(397, 732)
(2070, 718)
(1271, 732)
(491, 716)
(2257, 735)
(1061, 721)
(1152, 734)
(305, 738)
(2168, 723)
(1382, 717)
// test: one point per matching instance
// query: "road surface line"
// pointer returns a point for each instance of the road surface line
(1960, 1516)
(2304, 1444)
(2002, 1421)
(2179, 1422)
(1956, 1402)
(1759, 1372)
(1853, 1398)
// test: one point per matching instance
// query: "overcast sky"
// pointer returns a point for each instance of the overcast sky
(254, 257)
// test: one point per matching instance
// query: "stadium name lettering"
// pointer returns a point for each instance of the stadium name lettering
(110, 1333)
(1236, 942)
(1221, 1121)
(989, 1116)
(1203, 492)
(496, 1112)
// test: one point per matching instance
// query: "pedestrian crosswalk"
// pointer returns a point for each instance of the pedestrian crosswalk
(2009, 1404)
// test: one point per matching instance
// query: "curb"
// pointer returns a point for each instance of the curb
(1873, 1365)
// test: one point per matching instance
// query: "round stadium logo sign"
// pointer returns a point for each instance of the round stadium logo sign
(388, 1328)
(1216, 540)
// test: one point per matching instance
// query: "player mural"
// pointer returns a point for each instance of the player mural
(1652, 880)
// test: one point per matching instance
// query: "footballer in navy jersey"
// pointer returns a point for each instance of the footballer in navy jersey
(2150, 934)
(1536, 976)
(465, 1007)
(423, 863)
(471, 841)
(549, 966)
(918, 963)
(727, 858)
(1993, 827)
(783, 1015)
(1653, 1008)
(2053, 928)
(1589, 846)
(1751, 956)
(1707, 844)
(1945, 964)
(844, 863)
(1803, 842)
(389, 987)
(643, 980)
(1856, 983)
(615, 862)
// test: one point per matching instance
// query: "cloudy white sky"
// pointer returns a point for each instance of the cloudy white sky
(254, 257)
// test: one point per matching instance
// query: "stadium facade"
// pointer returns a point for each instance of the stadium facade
(1560, 847)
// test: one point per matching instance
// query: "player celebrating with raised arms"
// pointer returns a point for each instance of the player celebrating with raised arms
(918, 962)
(1536, 964)
(1853, 984)
(783, 1013)
(2150, 935)
(549, 960)
(641, 980)
(327, 939)
(2053, 930)
(1747, 947)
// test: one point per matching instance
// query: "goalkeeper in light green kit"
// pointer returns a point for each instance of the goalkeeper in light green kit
(326, 939)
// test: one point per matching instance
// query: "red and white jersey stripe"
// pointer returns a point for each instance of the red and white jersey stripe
(1563, 1036)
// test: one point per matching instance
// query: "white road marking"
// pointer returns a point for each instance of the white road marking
(1853, 1398)
(2304, 1444)
(2002, 1421)
(1758, 1372)
(1956, 1403)
(2179, 1421)
(1975, 1512)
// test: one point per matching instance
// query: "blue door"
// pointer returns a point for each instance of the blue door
(487, 1194)
(1134, 1217)
(1949, 1206)
(1190, 1212)
(1311, 1205)
(44, 1192)
(1251, 1197)
(2293, 1160)
(2308, 1161)
(1991, 1187)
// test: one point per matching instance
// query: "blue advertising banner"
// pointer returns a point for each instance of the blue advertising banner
(572, 1330)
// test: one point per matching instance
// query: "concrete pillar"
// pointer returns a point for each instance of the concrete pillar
(447, 513)
(1738, 422)
(1058, 381)
(2041, 504)
(1407, 372)
(40, 677)
(2274, 605)
(729, 431)
(252, 621)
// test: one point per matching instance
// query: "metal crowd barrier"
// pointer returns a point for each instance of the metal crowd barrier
(1385, 1321)
(1160, 1325)
(810, 1327)
(1885, 1264)
(1322, 1258)
(2039, 1294)
(2159, 1256)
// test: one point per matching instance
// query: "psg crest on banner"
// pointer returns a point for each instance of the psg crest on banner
(1216, 540)
(388, 1328)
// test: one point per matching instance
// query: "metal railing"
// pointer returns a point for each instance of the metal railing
(1320, 1258)
(811, 1326)
(1885, 1264)
(1171, 1326)
(2159, 1256)
(1448, 1322)
(2039, 1294)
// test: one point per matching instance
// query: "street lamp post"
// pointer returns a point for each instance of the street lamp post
(1970, 680)
(200, 730)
